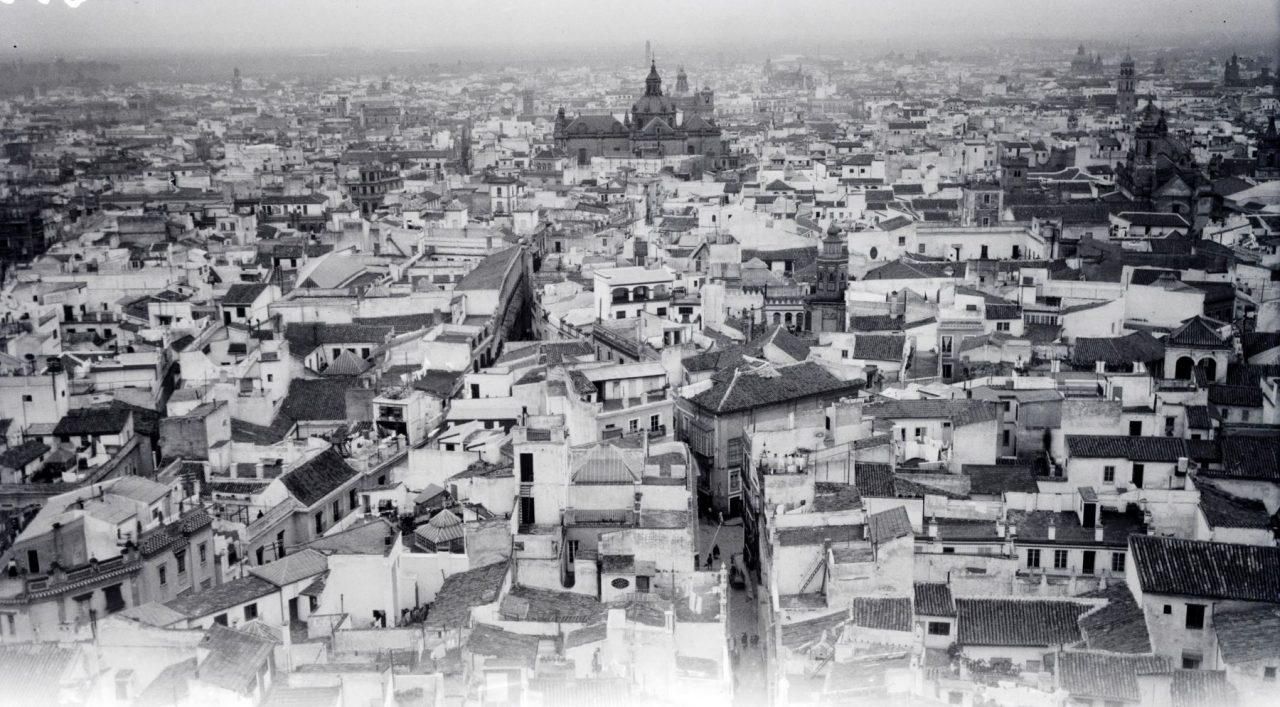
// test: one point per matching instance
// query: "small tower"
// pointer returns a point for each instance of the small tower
(833, 264)
(1267, 164)
(1126, 90)
(235, 80)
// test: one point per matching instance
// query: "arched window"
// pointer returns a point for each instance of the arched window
(788, 318)
(1182, 369)
(874, 253)
(777, 317)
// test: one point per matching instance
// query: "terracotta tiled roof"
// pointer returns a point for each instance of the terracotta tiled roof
(1017, 622)
(1210, 570)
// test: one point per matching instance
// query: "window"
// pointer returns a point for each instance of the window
(1002, 326)
(939, 628)
(27, 399)
(251, 612)
(902, 241)
(353, 499)
(337, 510)
(203, 551)
(946, 344)
(1108, 474)
(33, 562)
(655, 422)
(1059, 559)
(1117, 562)
(122, 685)
(642, 584)
(526, 467)
(1033, 558)
(1191, 660)
(948, 551)
(1195, 616)
(920, 249)
(164, 576)
(1268, 673)
(319, 522)
(1007, 435)
(181, 557)
(1135, 428)
(633, 425)
(946, 370)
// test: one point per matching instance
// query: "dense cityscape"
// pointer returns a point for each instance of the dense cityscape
(798, 376)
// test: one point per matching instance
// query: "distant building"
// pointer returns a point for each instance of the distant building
(1126, 95)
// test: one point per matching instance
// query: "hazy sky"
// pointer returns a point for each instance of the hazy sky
(398, 24)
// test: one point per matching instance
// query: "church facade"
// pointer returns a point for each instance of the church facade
(1160, 169)
(657, 125)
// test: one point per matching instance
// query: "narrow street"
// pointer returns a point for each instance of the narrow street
(750, 686)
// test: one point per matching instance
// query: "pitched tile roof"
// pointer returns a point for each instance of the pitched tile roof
(874, 480)
(1248, 458)
(1017, 622)
(317, 399)
(507, 646)
(817, 534)
(888, 525)
(244, 293)
(1248, 636)
(523, 603)
(465, 590)
(1138, 449)
(1197, 332)
(1202, 688)
(764, 385)
(92, 421)
(959, 412)
(1206, 569)
(221, 597)
(31, 672)
(1138, 346)
(292, 568)
(1117, 627)
(318, 477)
(1248, 396)
(934, 599)
(996, 479)
(1222, 510)
(884, 613)
(879, 347)
(1103, 676)
(234, 659)
(829, 497)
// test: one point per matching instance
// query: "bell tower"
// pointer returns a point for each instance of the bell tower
(1126, 90)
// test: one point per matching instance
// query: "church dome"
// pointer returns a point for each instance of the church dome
(834, 230)
(653, 105)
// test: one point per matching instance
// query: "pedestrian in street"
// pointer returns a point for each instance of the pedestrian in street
(715, 551)
(755, 640)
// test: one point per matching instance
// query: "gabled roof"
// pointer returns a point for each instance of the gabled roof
(1208, 570)
(295, 567)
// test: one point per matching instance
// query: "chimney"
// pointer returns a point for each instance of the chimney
(1053, 530)
(1097, 533)
(1013, 530)
(1000, 528)
(933, 526)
